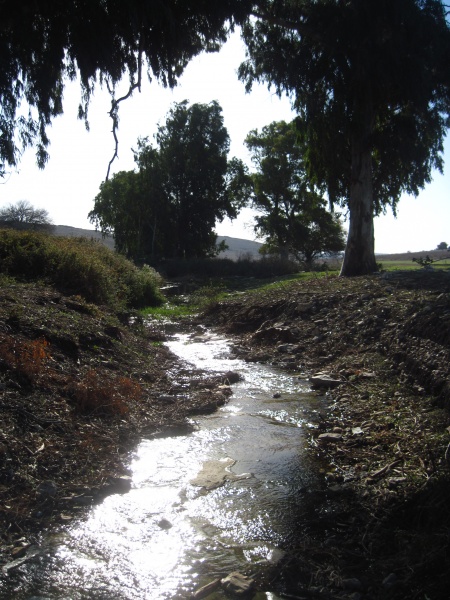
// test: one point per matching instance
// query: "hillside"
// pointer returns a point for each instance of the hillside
(237, 248)
(67, 231)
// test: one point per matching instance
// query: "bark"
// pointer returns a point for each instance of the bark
(359, 257)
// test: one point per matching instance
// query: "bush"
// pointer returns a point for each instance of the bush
(79, 266)
(26, 358)
(225, 267)
(100, 395)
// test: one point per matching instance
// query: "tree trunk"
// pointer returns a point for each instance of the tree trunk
(359, 258)
(283, 250)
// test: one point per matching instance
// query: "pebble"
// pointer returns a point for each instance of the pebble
(238, 584)
(330, 437)
(164, 524)
(390, 581)
(352, 584)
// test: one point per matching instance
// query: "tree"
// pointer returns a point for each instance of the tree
(193, 149)
(44, 43)
(23, 215)
(294, 218)
(371, 84)
(170, 205)
(442, 246)
(127, 207)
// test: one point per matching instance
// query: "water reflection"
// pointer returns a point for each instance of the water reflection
(166, 536)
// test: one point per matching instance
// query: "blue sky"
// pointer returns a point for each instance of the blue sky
(79, 159)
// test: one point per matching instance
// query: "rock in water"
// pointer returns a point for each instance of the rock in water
(206, 590)
(237, 584)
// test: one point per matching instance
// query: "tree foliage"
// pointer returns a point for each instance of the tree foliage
(371, 84)
(193, 148)
(293, 217)
(183, 186)
(44, 43)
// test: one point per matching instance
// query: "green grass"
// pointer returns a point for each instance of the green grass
(409, 265)
(169, 311)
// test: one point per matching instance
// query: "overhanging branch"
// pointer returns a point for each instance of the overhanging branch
(114, 112)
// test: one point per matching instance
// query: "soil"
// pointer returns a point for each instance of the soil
(382, 528)
(81, 385)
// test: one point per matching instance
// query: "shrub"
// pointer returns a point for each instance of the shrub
(100, 395)
(79, 266)
(225, 267)
(27, 358)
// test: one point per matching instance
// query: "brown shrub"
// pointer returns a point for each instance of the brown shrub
(102, 395)
(27, 358)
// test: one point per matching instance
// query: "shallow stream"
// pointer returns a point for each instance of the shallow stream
(223, 498)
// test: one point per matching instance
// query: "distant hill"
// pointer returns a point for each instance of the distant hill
(67, 231)
(237, 248)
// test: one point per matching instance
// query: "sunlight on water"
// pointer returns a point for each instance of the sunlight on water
(169, 535)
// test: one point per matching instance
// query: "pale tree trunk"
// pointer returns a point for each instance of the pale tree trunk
(283, 250)
(359, 258)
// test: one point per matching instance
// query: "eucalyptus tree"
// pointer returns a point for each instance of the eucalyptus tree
(45, 43)
(371, 84)
(200, 184)
(292, 218)
(130, 206)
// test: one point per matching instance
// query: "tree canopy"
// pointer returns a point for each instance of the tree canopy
(44, 43)
(23, 215)
(183, 186)
(371, 84)
(293, 218)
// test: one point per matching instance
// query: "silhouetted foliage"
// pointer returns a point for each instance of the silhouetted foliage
(45, 43)
(292, 216)
(183, 186)
(371, 84)
(24, 216)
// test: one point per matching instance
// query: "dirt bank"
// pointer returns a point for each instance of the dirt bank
(381, 530)
(79, 386)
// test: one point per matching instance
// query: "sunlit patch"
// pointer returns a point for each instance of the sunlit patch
(231, 408)
(257, 553)
(283, 417)
(166, 536)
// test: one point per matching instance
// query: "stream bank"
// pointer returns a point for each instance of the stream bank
(79, 387)
(385, 532)
(385, 340)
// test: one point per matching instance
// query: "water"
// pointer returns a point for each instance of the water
(168, 535)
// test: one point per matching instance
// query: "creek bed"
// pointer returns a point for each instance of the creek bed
(223, 498)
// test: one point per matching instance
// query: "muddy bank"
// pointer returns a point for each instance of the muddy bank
(381, 530)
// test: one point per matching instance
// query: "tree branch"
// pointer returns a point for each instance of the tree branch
(114, 112)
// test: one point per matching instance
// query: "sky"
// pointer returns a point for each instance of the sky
(78, 163)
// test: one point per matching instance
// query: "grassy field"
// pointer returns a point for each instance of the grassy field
(390, 262)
